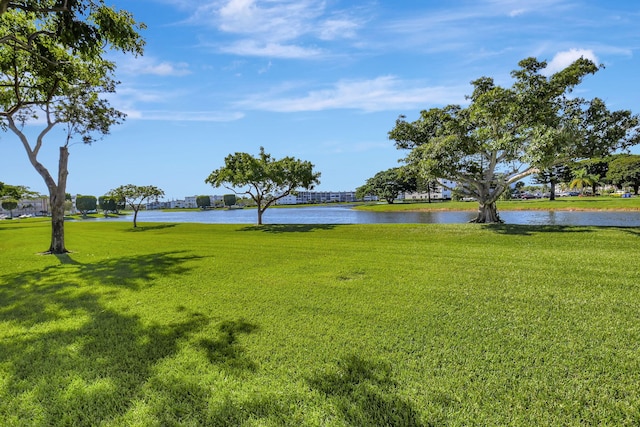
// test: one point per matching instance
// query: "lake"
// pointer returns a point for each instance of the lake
(345, 215)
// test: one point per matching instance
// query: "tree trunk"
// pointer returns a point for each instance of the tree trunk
(56, 197)
(135, 217)
(260, 212)
(487, 214)
(552, 190)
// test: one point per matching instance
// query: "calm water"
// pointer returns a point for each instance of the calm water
(346, 215)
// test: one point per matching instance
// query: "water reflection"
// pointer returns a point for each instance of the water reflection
(347, 215)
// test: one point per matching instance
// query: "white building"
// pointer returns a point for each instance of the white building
(437, 193)
(289, 199)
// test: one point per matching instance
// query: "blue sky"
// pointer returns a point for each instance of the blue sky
(323, 81)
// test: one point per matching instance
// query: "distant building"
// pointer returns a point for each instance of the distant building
(37, 206)
(325, 196)
(437, 193)
(289, 199)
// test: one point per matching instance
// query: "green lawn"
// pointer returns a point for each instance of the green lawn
(561, 203)
(351, 325)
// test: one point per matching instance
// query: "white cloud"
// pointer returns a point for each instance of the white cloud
(271, 50)
(152, 66)
(379, 94)
(563, 59)
(185, 116)
(275, 28)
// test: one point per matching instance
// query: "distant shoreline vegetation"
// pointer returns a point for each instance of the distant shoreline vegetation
(563, 203)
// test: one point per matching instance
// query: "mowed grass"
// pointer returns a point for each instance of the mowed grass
(561, 203)
(319, 325)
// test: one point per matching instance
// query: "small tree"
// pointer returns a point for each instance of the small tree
(582, 178)
(85, 204)
(553, 175)
(108, 204)
(10, 205)
(229, 199)
(203, 202)
(263, 178)
(388, 184)
(134, 196)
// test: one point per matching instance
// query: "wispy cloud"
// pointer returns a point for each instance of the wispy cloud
(379, 94)
(275, 28)
(153, 66)
(271, 50)
(185, 116)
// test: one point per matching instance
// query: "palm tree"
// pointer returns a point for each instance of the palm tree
(582, 179)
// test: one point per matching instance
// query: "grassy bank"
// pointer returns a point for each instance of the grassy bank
(561, 203)
(359, 325)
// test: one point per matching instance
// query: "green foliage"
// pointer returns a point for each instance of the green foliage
(387, 185)
(15, 191)
(348, 325)
(506, 134)
(109, 204)
(84, 204)
(229, 199)
(624, 169)
(135, 195)
(203, 201)
(54, 71)
(263, 178)
(582, 178)
(9, 205)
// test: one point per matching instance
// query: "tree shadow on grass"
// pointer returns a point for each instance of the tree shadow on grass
(77, 362)
(530, 230)
(226, 351)
(134, 272)
(364, 392)
(634, 231)
(288, 228)
(31, 295)
(66, 358)
(141, 228)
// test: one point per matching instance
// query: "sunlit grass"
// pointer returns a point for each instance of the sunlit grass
(367, 325)
(561, 203)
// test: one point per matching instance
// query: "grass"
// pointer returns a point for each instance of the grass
(319, 325)
(561, 203)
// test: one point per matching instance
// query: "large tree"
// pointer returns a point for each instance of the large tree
(624, 169)
(135, 196)
(506, 134)
(54, 72)
(388, 184)
(264, 178)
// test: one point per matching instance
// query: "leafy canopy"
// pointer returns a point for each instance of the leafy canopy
(134, 196)
(624, 170)
(263, 178)
(388, 184)
(506, 134)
